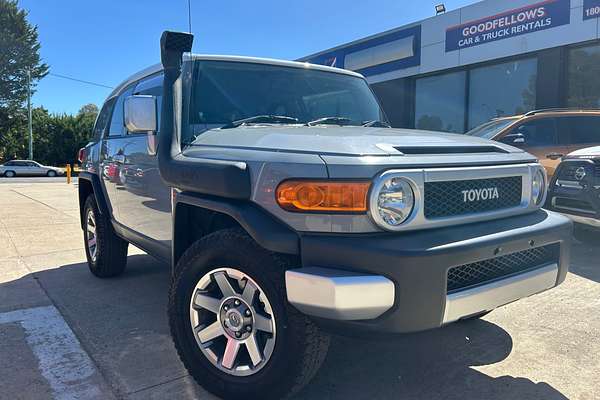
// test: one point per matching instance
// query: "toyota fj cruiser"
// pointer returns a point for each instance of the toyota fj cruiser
(288, 208)
(575, 192)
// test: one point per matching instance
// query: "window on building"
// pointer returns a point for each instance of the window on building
(583, 73)
(502, 90)
(440, 102)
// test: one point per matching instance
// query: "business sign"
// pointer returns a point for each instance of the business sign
(591, 9)
(536, 17)
(385, 53)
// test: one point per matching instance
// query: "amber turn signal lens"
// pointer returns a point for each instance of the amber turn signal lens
(323, 196)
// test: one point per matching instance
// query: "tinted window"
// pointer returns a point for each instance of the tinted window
(440, 103)
(502, 90)
(152, 86)
(584, 85)
(117, 123)
(9, 164)
(540, 132)
(580, 130)
(103, 118)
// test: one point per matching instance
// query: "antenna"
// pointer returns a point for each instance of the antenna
(190, 15)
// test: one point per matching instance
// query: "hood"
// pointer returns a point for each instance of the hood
(347, 141)
(588, 152)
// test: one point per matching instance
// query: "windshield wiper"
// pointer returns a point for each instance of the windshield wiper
(376, 124)
(330, 121)
(261, 119)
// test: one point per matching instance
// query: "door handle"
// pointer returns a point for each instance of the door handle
(554, 156)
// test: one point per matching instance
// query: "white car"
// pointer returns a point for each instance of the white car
(28, 168)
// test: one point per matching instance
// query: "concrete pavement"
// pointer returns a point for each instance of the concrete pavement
(109, 339)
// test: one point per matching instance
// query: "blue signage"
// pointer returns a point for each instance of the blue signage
(591, 9)
(536, 17)
(336, 58)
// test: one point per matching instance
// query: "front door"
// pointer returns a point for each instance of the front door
(144, 200)
(543, 141)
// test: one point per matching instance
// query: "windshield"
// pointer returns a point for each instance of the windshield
(489, 130)
(224, 92)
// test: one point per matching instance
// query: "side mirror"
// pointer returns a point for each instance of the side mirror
(140, 114)
(514, 139)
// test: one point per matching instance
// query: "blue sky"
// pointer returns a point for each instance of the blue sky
(106, 41)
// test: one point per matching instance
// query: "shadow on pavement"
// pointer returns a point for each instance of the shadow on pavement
(122, 324)
(584, 261)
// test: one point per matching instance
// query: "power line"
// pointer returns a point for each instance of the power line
(80, 80)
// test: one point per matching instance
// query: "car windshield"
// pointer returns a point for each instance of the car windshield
(225, 92)
(489, 130)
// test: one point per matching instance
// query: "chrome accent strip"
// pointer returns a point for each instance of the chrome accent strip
(418, 177)
(496, 294)
(337, 294)
(576, 209)
(569, 184)
(583, 220)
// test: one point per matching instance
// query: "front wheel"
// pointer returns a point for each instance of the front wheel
(231, 323)
(51, 174)
(10, 174)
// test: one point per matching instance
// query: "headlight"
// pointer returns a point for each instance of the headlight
(538, 187)
(392, 202)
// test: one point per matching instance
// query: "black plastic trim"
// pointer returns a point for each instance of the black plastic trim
(418, 262)
(268, 232)
(103, 205)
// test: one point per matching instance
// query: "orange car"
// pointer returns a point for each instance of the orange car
(548, 134)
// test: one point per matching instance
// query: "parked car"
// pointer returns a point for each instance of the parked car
(548, 134)
(287, 209)
(575, 192)
(14, 168)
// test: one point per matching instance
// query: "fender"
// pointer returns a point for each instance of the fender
(268, 232)
(103, 205)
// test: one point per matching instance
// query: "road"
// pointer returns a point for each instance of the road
(66, 334)
(34, 179)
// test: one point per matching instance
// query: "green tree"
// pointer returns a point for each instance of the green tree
(19, 53)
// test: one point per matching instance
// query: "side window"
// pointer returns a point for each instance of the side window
(103, 118)
(117, 123)
(584, 130)
(152, 86)
(9, 164)
(539, 132)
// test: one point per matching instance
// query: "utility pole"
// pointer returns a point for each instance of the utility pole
(29, 125)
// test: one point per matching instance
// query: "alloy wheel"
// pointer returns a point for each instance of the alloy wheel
(91, 235)
(232, 321)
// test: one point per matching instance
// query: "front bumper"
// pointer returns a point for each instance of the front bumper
(409, 273)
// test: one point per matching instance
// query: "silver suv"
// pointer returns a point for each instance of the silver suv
(288, 209)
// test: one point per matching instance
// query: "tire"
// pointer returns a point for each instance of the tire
(107, 255)
(10, 174)
(51, 174)
(587, 235)
(299, 346)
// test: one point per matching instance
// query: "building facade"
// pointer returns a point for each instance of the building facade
(494, 58)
